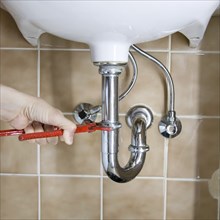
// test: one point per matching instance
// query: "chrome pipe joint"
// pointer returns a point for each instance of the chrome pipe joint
(110, 139)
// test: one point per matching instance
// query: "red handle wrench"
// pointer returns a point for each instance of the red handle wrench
(90, 127)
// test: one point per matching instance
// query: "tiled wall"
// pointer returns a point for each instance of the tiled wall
(67, 182)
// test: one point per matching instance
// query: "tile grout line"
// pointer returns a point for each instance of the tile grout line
(179, 179)
(187, 179)
(66, 49)
(218, 211)
(38, 146)
(39, 182)
(199, 116)
(166, 146)
(101, 188)
(196, 52)
(22, 48)
(196, 117)
(166, 142)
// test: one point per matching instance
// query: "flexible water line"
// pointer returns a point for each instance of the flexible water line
(134, 78)
(169, 81)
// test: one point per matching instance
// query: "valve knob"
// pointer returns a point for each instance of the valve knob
(170, 126)
(85, 112)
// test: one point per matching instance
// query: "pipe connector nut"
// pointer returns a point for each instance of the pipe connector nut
(112, 125)
(140, 149)
(111, 70)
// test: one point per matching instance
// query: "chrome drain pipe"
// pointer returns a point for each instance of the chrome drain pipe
(110, 139)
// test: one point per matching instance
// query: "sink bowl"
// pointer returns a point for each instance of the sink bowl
(110, 27)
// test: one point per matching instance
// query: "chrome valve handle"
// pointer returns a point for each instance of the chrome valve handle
(85, 112)
(170, 126)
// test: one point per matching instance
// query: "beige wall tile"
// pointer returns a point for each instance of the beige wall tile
(196, 80)
(189, 201)
(195, 152)
(139, 199)
(180, 42)
(18, 198)
(83, 157)
(161, 44)
(16, 156)
(51, 41)
(154, 158)
(19, 70)
(70, 198)
(69, 78)
(10, 36)
(210, 41)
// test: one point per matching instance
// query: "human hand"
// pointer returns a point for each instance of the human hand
(33, 114)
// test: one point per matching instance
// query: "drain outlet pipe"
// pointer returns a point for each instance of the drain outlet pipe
(110, 139)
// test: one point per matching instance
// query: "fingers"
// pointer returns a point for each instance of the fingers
(69, 130)
(38, 127)
(63, 123)
(41, 111)
(68, 136)
(19, 122)
(52, 140)
(29, 129)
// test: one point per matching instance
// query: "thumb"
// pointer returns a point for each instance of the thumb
(66, 125)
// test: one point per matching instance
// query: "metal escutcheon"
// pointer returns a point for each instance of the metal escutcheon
(139, 111)
(85, 112)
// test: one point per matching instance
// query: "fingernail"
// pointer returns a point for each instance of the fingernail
(68, 137)
(69, 140)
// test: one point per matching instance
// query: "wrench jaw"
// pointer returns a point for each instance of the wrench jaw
(92, 127)
(101, 127)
